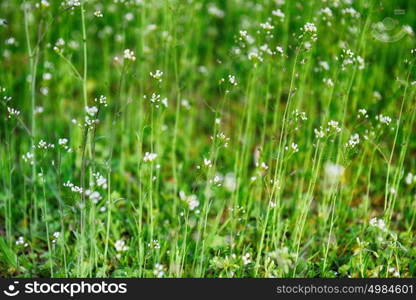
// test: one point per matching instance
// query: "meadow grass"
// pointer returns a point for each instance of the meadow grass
(193, 138)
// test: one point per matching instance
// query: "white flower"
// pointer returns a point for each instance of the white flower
(266, 26)
(353, 141)
(101, 100)
(192, 202)
(207, 163)
(13, 112)
(309, 27)
(100, 180)
(62, 141)
(72, 3)
(91, 110)
(246, 259)
(333, 172)
(324, 65)
(157, 75)
(294, 147)
(98, 14)
(328, 81)
(230, 182)
(232, 80)
(334, 125)
(378, 223)
(158, 270)
(129, 55)
(149, 156)
(156, 99)
(410, 178)
(120, 246)
(278, 13)
(383, 119)
(215, 11)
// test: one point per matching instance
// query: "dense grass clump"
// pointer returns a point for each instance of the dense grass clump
(207, 138)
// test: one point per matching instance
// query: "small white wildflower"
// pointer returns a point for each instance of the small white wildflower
(157, 75)
(120, 246)
(98, 14)
(149, 157)
(278, 13)
(91, 110)
(333, 172)
(328, 82)
(353, 141)
(246, 258)
(410, 178)
(129, 55)
(384, 119)
(378, 223)
(12, 112)
(232, 80)
(102, 100)
(294, 147)
(215, 11)
(230, 182)
(207, 162)
(158, 270)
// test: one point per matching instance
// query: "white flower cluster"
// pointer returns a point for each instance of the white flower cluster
(74, 188)
(353, 141)
(64, 144)
(28, 158)
(21, 241)
(299, 116)
(129, 55)
(72, 3)
(215, 11)
(94, 196)
(98, 14)
(207, 163)
(246, 258)
(362, 113)
(101, 100)
(293, 146)
(154, 244)
(333, 172)
(121, 246)
(232, 80)
(331, 128)
(191, 200)
(55, 236)
(383, 119)
(222, 138)
(309, 32)
(278, 13)
(43, 145)
(350, 11)
(266, 26)
(90, 117)
(410, 178)
(378, 223)
(149, 157)
(100, 180)
(159, 270)
(328, 82)
(157, 75)
(156, 99)
(348, 57)
(12, 112)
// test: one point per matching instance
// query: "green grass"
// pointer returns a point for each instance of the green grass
(269, 146)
